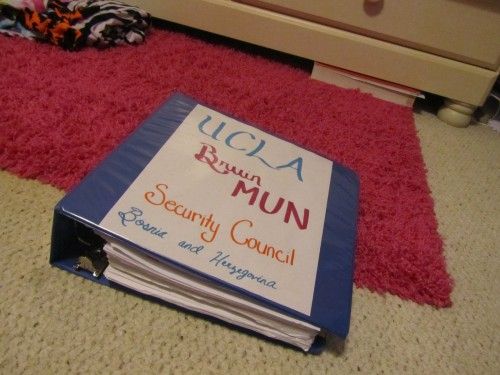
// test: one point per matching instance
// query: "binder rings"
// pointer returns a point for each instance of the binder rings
(201, 210)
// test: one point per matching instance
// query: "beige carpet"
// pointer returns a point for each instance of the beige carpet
(54, 322)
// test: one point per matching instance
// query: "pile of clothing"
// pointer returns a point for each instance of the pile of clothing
(74, 24)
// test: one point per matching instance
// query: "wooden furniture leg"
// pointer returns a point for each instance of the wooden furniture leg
(456, 113)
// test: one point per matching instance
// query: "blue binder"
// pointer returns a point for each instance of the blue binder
(78, 217)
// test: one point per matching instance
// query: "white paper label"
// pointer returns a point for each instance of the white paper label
(228, 200)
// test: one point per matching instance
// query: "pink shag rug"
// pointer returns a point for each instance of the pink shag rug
(62, 112)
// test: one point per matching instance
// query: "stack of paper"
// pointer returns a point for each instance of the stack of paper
(389, 91)
(142, 273)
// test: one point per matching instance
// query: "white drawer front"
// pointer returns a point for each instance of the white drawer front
(464, 30)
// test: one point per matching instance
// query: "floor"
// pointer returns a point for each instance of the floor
(54, 322)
